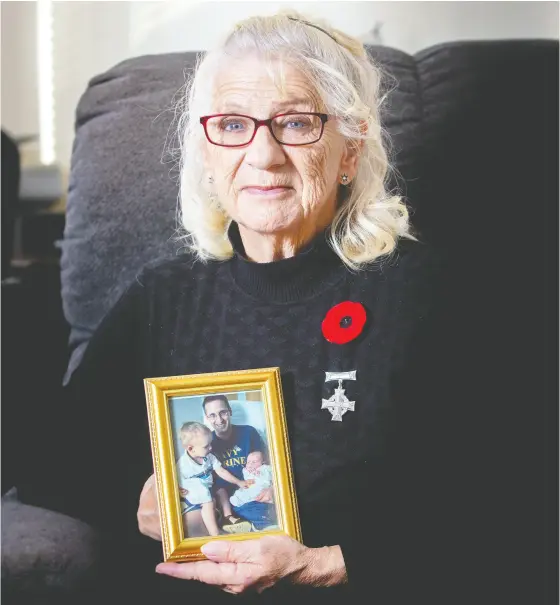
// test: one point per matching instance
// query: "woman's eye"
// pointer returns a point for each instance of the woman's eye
(295, 123)
(232, 126)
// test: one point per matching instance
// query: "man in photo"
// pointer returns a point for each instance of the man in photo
(232, 445)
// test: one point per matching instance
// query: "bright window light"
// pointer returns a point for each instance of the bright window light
(46, 79)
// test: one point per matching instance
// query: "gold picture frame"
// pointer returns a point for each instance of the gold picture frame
(170, 400)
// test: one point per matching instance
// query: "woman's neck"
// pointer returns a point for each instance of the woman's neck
(315, 267)
(269, 247)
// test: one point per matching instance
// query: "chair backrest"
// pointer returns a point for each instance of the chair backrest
(473, 131)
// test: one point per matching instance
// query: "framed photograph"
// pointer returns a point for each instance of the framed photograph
(221, 459)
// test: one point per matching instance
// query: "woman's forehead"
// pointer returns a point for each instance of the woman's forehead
(264, 86)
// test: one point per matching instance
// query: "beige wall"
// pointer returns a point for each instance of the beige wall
(89, 38)
(92, 36)
(18, 64)
(410, 26)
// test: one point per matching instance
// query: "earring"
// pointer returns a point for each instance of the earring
(344, 179)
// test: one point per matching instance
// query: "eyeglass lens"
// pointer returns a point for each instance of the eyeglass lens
(293, 129)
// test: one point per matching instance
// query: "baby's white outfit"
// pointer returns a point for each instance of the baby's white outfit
(262, 479)
(197, 478)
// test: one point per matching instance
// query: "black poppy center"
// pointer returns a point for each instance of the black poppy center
(346, 322)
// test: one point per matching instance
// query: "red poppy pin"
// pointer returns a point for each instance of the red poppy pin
(344, 322)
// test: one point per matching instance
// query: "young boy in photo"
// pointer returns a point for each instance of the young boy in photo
(194, 472)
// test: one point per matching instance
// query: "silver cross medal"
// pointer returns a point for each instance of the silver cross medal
(338, 404)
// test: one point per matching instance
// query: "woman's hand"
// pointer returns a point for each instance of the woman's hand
(259, 564)
(148, 511)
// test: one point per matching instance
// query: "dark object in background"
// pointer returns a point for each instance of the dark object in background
(11, 174)
(34, 332)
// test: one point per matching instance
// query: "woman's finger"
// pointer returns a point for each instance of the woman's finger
(220, 574)
(148, 513)
(148, 485)
(224, 551)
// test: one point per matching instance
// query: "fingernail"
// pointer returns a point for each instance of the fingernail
(213, 549)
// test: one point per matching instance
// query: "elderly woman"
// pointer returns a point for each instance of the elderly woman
(286, 214)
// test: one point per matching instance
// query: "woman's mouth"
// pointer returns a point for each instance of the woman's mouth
(267, 191)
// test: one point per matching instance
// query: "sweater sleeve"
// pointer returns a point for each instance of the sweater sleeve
(102, 451)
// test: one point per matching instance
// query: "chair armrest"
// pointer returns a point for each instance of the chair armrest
(45, 554)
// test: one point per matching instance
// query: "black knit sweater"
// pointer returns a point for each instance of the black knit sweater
(366, 483)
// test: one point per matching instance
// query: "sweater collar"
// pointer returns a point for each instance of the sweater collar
(311, 271)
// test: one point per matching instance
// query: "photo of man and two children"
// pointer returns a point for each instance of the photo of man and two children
(223, 471)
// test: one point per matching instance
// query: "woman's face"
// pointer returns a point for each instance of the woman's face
(305, 179)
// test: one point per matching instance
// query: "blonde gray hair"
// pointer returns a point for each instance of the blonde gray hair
(191, 429)
(369, 219)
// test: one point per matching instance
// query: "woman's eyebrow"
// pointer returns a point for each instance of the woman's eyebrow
(228, 107)
(292, 102)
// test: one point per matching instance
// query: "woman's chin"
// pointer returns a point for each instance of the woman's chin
(269, 221)
(268, 225)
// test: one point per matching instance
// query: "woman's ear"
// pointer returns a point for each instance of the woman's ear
(351, 157)
(352, 153)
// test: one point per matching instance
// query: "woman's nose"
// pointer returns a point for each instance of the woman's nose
(264, 151)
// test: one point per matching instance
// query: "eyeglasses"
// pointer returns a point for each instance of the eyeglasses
(223, 414)
(235, 130)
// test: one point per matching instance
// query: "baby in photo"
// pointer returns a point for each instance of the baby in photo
(258, 475)
(194, 473)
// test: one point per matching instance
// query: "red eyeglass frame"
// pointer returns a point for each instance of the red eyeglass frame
(258, 123)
